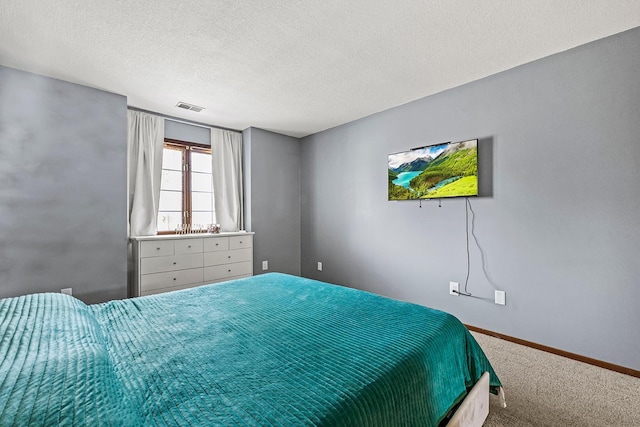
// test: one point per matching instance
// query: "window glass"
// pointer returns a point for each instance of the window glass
(204, 218)
(186, 190)
(169, 221)
(201, 201)
(201, 162)
(172, 159)
(170, 201)
(171, 180)
(201, 182)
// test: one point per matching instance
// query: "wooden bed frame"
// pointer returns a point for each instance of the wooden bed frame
(474, 409)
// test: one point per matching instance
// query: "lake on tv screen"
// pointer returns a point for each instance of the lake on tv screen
(445, 170)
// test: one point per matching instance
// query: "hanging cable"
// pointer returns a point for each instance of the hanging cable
(469, 208)
(483, 257)
(466, 222)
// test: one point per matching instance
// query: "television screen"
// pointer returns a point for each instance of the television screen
(435, 171)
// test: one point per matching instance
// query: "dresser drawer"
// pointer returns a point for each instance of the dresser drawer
(188, 246)
(226, 257)
(150, 282)
(214, 244)
(170, 263)
(240, 242)
(221, 272)
(157, 248)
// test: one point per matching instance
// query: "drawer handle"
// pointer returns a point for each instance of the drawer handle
(240, 241)
(174, 278)
(189, 246)
(229, 271)
(229, 257)
(157, 249)
(174, 263)
(217, 244)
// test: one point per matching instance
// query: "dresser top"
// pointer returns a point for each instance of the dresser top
(192, 235)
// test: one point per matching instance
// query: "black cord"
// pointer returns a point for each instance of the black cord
(467, 205)
(482, 254)
(467, 208)
(466, 221)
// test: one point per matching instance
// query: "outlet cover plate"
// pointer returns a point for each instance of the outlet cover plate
(66, 291)
(265, 265)
(501, 298)
(454, 288)
(319, 266)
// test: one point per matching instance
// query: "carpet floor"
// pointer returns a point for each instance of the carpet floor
(543, 389)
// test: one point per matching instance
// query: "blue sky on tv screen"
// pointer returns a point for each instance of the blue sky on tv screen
(397, 159)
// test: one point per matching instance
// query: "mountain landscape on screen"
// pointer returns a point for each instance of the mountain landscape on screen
(435, 171)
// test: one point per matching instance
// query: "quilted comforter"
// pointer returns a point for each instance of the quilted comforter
(270, 350)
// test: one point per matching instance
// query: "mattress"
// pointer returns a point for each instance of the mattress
(270, 350)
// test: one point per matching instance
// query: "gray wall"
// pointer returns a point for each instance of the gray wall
(62, 188)
(186, 132)
(272, 199)
(560, 224)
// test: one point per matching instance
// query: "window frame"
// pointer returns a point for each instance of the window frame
(186, 148)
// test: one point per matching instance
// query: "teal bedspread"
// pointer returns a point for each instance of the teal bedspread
(270, 350)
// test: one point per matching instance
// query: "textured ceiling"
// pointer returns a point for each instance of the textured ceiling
(294, 67)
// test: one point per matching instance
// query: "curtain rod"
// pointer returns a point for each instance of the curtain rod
(188, 122)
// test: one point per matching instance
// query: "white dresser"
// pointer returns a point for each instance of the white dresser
(172, 262)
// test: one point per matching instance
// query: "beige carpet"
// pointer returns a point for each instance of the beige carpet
(543, 389)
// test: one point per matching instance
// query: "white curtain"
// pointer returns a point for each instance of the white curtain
(145, 143)
(226, 153)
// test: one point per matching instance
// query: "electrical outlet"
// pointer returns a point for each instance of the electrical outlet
(67, 291)
(454, 288)
(265, 265)
(319, 266)
(501, 298)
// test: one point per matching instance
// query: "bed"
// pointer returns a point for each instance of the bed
(269, 350)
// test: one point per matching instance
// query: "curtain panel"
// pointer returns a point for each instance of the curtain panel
(226, 154)
(145, 144)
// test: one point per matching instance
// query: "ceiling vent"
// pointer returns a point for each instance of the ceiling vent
(189, 107)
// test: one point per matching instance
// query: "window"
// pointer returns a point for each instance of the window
(186, 187)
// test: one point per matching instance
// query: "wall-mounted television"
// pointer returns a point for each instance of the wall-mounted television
(436, 171)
